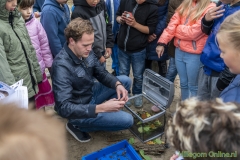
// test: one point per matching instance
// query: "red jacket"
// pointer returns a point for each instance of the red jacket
(188, 37)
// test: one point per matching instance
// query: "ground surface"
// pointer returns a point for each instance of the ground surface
(102, 139)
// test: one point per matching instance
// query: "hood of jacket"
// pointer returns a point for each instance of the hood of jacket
(53, 3)
(151, 1)
(147, 1)
(85, 4)
(81, 3)
(4, 13)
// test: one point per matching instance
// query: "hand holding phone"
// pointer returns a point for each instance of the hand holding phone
(128, 14)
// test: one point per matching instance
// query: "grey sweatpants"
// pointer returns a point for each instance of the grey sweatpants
(207, 89)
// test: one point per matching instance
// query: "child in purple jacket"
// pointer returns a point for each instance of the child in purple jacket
(40, 43)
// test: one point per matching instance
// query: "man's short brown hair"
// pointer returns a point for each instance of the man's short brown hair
(201, 127)
(30, 135)
(77, 27)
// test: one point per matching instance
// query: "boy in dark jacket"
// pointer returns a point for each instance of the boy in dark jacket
(138, 19)
(214, 76)
(96, 12)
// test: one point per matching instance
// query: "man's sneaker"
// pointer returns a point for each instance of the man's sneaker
(138, 102)
(77, 134)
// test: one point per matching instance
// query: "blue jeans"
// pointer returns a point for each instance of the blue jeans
(137, 60)
(115, 59)
(107, 121)
(172, 70)
(188, 66)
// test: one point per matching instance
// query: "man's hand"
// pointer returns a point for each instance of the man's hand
(152, 37)
(108, 53)
(214, 13)
(112, 105)
(102, 60)
(122, 93)
(160, 50)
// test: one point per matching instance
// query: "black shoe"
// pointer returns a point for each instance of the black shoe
(77, 134)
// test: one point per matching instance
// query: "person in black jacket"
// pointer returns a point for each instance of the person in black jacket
(138, 19)
(88, 105)
(152, 39)
(96, 12)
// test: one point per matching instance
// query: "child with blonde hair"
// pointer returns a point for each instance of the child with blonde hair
(185, 28)
(228, 38)
(30, 135)
(206, 127)
(39, 40)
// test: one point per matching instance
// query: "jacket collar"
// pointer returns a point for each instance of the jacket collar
(235, 5)
(71, 54)
(30, 19)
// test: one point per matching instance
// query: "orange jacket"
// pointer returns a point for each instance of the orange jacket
(188, 37)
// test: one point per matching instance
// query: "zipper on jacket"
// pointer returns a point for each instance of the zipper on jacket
(194, 45)
(85, 63)
(112, 9)
(102, 28)
(25, 53)
(179, 40)
(128, 29)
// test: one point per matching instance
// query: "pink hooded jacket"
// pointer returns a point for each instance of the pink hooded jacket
(188, 37)
(40, 43)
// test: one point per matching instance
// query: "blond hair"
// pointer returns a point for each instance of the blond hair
(30, 135)
(186, 9)
(231, 26)
(201, 127)
(77, 27)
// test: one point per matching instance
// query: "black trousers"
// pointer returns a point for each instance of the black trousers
(162, 66)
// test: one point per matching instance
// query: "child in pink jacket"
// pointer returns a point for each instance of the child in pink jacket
(40, 42)
(185, 26)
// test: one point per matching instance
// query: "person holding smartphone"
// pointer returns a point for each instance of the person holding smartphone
(138, 19)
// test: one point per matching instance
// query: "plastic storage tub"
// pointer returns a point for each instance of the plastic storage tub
(156, 91)
(119, 151)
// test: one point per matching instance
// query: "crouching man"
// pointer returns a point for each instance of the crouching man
(87, 104)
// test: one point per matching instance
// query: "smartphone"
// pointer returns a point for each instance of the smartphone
(129, 14)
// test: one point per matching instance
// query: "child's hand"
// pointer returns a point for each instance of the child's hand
(151, 37)
(102, 60)
(160, 50)
(120, 19)
(214, 13)
(130, 21)
(108, 53)
(174, 157)
(37, 14)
